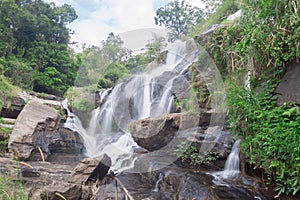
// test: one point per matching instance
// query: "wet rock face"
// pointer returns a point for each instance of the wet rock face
(289, 88)
(181, 184)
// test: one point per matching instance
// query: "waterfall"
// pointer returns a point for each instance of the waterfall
(160, 178)
(138, 97)
(232, 165)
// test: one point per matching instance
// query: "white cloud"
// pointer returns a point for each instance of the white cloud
(97, 18)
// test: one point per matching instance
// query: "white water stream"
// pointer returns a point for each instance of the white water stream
(139, 97)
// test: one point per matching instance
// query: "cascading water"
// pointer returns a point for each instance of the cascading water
(160, 178)
(232, 167)
(139, 97)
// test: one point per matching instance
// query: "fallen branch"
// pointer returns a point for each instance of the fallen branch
(42, 155)
(61, 196)
(26, 164)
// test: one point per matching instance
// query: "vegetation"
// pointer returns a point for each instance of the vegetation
(261, 44)
(10, 189)
(223, 10)
(178, 17)
(271, 134)
(33, 47)
(191, 154)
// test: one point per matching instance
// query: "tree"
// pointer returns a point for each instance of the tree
(178, 18)
(112, 49)
(34, 45)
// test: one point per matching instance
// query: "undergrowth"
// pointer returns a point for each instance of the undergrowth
(11, 189)
(189, 153)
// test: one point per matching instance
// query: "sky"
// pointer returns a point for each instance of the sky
(132, 19)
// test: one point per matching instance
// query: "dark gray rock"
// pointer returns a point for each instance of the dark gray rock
(108, 191)
(91, 169)
(62, 190)
(12, 106)
(289, 88)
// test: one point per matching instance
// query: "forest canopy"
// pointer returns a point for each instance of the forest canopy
(34, 52)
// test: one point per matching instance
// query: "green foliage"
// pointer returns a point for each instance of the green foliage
(271, 134)
(222, 12)
(120, 68)
(178, 17)
(10, 189)
(112, 74)
(270, 32)
(189, 153)
(21, 73)
(112, 49)
(262, 43)
(6, 87)
(103, 62)
(34, 37)
(3, 146)
(5, 131)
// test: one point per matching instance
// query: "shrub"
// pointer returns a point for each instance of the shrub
(271, 134)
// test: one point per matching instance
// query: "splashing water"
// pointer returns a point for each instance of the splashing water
(231, 169)
(139, 97)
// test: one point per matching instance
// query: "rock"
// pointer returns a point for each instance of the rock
(91, 169)
(49, 174)
(66, 142)
(66, 190)
(15, 169)
(155, 133)
(12, 106)
(289, 88)
(179, 183)
(108, 191)
(235, 16)
(32, 129)
(38, 127)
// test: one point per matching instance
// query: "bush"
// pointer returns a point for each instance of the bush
(271, 134)
(188, 152)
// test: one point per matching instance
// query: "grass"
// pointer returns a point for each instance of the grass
(5, 131)
(10, 189)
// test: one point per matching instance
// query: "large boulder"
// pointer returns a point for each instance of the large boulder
(155, 133)
(33, 125)
(289, 88)
(37, 131)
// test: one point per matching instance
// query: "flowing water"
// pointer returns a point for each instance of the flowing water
(142, 96)
(232, 167)
(139, 97)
